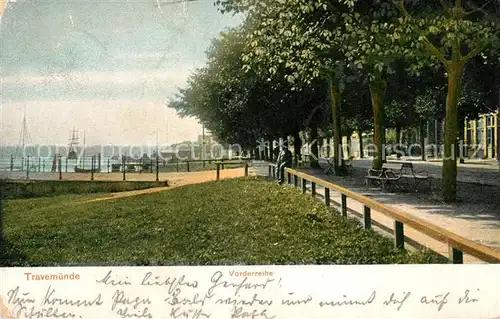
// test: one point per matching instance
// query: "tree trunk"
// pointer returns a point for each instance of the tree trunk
(313, 142)
(265, 151)
(334, 89)
(398, 141)
(271, 148)
(497, 95)
(461, 139)
(455, 71)
(377, 90)
(422, 139)
(297, 146)
(320, 146)
(348, 146)
(360, 133)
(327, 147)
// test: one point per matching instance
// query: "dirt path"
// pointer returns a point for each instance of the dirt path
(176, 180)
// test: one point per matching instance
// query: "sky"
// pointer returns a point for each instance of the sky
(105, 67)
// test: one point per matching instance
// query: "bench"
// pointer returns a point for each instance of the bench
(330, 165)
(417, 176)
(302, 160)
(389, 175)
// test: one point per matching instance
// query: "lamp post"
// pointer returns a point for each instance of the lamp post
(157, 154)
(203, 144)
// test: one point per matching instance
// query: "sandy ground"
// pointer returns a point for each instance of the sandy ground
(170, 177)
(174, 180)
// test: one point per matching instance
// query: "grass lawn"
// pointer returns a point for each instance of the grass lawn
(17, 189)
(244, 220)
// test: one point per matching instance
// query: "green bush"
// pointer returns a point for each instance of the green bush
(13, 189)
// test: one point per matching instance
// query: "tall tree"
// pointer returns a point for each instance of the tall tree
(302, 37)
(453, 36)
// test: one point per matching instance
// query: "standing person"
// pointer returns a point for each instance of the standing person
(285, 159)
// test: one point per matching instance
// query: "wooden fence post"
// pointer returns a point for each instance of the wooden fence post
(344, 205)
(218, 172)
(327, 197)
(92, 168)
(28, 167)
(1, 218)
(157, 168)
(60, 168)
(125, 167)
(289, 178)
(187, 163)
(304, 185)
(399, 235)
(367, 219)
(295, 181)
(246, 169)
(39, 165)
(313, 189)
(456, 255)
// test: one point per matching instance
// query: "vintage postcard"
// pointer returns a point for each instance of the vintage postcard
(249, 159)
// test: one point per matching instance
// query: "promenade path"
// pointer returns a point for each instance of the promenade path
(171, 177)
(475, 216)
(486, 172)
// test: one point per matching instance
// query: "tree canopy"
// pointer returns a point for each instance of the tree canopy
(366, 65)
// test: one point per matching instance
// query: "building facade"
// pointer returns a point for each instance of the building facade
(482, 136)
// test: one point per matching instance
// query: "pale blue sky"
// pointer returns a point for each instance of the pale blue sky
(105, 67)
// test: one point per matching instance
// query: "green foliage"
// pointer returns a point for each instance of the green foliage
(240, 106)
(172, 228)
(27, 189)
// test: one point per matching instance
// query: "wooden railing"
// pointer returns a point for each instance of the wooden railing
(458, 245)
(222, 163)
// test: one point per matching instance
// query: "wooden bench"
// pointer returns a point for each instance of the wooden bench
(389, 175)
(417, 176)
(348, 163)
(329, 167)
(327, 163)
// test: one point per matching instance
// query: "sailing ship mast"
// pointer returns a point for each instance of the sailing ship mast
(83, 145)
(93, 168)
(83, 152)
(23, 137)
(73, 144)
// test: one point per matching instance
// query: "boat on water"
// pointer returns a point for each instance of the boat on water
(73, 145)
(87, 170)
(96, 164)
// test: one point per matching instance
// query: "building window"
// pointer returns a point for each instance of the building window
(489, 136)
(489, 120)
(490, 131)
(479, 132)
